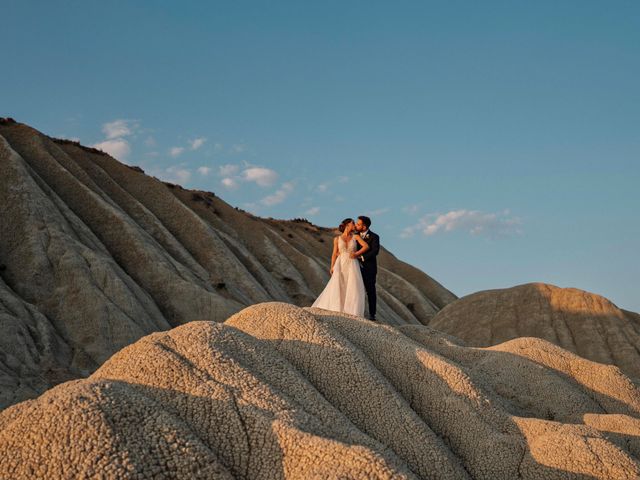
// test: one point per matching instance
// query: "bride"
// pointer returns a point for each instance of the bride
(345, 290)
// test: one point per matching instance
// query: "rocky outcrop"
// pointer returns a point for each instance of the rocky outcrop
(278, 391)
(94, 254)
(578, 321)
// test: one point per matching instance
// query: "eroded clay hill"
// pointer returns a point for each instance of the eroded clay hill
(278, 391)
(94, 254)
(579, 321)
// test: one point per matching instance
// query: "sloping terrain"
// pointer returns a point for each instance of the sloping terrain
(94, 254)
(278, 391)
(578, 321)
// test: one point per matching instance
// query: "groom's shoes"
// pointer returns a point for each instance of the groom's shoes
(369, 317)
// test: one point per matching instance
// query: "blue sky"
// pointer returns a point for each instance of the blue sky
(493, 143)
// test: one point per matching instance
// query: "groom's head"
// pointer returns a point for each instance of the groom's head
(363, 223)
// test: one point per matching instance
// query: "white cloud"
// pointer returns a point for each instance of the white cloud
(326, 186)
(238, 148)
(379, 211)
(228, 170)
(115, 144)
(176, 174)
(230, 183)
(118, 148)
(150, 141)
(473, 221)
(118, 128)
(411, 209)
(264, 177)
(176, 151)
(313, 211)
(279, 196)
(233, 177)
(196, 143)
(204, 170)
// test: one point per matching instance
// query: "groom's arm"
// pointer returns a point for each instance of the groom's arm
(374, 248)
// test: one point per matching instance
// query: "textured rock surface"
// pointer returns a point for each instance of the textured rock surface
(95, 254)
(278, 391)
(579, 321)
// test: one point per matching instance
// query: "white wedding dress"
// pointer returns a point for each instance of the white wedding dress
(345, 290)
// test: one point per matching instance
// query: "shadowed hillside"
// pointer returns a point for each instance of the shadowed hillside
(282, 392)
(94, 254)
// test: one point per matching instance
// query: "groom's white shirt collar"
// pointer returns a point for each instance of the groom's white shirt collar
(364, 234)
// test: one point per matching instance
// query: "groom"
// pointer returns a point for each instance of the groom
(368, 262)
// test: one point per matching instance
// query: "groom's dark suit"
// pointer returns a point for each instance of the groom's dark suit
(369, 269)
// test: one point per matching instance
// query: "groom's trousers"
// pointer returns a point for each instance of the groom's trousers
(369, 280)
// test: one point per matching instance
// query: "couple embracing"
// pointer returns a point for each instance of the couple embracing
(353, 270)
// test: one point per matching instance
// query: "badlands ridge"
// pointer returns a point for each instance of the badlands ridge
(149, 331)
(94, 254)
(278, 391)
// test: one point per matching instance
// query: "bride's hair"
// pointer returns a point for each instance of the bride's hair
(344, 224)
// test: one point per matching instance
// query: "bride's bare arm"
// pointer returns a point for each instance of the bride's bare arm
(363, 244)
(334, 255)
